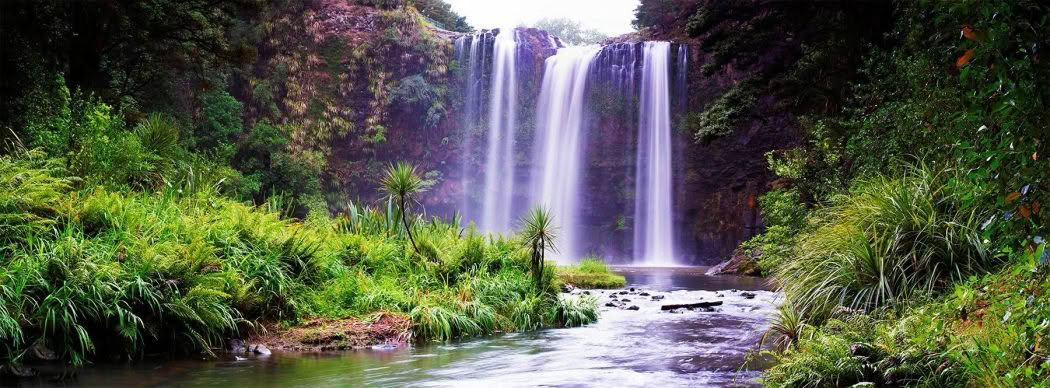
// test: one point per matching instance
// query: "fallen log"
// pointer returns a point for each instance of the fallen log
(701, 305)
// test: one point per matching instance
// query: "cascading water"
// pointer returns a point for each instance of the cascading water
(653, 236)
(470, 52)
(560, 119)
(502, 126)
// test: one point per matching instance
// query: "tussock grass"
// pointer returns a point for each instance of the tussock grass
(100, 271)
(888, 241)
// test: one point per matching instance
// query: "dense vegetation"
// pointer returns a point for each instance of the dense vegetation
(906, 230)
(162, 186)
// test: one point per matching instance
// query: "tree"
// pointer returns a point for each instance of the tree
(401, 183)
(570, 31)
(539, 235)
(441, 12)
(116, 49)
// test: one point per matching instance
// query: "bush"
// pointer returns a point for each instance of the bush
(888, 241)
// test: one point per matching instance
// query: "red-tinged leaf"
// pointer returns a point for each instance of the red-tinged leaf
(964, 59)
(967, 32)
(1012, 197)
(1025, 211)
(1035, 155)
(1035, 207)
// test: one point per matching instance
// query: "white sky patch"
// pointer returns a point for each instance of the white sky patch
(612, 17)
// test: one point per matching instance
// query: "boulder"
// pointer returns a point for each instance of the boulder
(236, 346)
(259, 349)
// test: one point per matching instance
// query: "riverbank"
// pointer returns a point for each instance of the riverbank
(626, 348)
(121, 273)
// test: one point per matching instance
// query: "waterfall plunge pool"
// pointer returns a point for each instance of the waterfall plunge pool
(626, 348)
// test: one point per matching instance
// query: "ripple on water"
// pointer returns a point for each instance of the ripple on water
(648, 347)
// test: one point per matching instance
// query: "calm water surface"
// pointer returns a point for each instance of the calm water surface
(647, 347)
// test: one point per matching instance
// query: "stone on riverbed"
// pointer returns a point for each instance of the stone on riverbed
(259, 349)
(658, 297)
(748, 295)
(235, 346)
(644, 294)
(633, 307)
(701, 305)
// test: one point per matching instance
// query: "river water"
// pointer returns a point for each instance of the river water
(626, 348)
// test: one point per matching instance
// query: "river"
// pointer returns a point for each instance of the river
(626, 348)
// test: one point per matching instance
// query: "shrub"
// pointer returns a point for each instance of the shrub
(887, 241)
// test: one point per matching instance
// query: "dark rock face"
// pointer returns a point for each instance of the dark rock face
(717, 180)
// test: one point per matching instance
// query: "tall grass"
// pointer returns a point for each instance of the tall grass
(888, 241)
(123, 273)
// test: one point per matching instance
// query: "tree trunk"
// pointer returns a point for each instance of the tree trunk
(404, 219)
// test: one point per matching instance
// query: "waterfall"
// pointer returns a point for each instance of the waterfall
(470, 54)
(653, 235)
(502, 127)
(560, 122)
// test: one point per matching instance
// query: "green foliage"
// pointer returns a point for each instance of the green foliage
(538, 234)
(441, 12)
(401, 184)
(887, 242)
(570, 31)
(414, 91)
(591, 272)
(127, 273)
(784, 216)
(220, 125)
(724, 114)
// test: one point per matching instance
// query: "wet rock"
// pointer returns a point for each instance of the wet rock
(700, 305)
(748, 295)
(235, 346)
(259, 349)
(633, 307)
(40, 352)
(644, 294)
(17, 370)
(611, 304)
(720, 295)
(625, 300)
(586, 292)
(708, 309)
(658, 297)
(632, 289)
(623, 292)
(567, 288)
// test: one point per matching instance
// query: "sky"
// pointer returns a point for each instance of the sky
(612, 17)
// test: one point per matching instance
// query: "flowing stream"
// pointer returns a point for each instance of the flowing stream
(626, 348)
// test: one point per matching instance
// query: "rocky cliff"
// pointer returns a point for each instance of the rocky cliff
(360, 87)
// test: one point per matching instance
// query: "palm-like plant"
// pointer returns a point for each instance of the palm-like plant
(401, 184)
(539, 235)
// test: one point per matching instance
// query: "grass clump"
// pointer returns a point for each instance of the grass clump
(890, 240)
(100, 271)
(591, 272)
